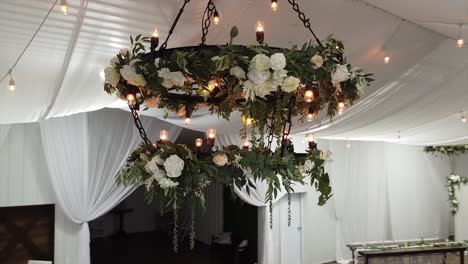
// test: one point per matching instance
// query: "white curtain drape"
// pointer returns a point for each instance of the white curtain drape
(84, 152)
(4, 129)
(384, 191)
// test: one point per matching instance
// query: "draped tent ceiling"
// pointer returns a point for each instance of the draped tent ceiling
(420, 93)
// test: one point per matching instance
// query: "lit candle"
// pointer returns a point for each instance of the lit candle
(274, 5)
(311, 141)
(260, 32)
(163, 135)
(198, 142)
(131, 99)
(308, 95)
(188, 121)
(246, 144)
(155, 39)
(211, 135)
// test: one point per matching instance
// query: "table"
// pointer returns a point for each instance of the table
(354, 247)
(368, 254)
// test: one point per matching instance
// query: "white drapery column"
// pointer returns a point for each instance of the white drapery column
(84, 152)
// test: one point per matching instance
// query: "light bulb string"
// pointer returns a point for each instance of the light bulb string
(29, 43)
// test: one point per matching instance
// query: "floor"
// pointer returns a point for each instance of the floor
(452, 259)
(147, 248)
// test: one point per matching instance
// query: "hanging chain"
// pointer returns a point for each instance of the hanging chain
(181, 10)
(206, 20)
(304, 20)
(137, 121)
(287, 126)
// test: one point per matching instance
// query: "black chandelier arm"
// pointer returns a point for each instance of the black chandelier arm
(305, 21)
(206, 20)
(287, 125)
(174, 24)
(139, 126)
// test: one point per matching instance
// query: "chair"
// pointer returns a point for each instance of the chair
(39, 262)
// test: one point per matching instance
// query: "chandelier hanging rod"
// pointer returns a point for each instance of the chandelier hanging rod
(305, 21)
(174, 24)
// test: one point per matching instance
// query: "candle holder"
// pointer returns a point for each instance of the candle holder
(260, 32)
(154, 40)
(163, 136)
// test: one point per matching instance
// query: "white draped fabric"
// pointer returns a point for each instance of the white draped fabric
(384, 191)
(4, 129)
(84, 152)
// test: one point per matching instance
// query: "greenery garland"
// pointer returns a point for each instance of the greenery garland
(447, 150)
(178, 177)
(452, 180)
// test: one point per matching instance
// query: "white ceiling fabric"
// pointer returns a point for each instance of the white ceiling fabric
(60, 73)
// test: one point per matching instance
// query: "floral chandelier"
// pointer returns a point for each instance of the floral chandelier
(267, 85)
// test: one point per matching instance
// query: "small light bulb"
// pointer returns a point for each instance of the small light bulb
(308, 96)
(156, 33)
(188, 120)
(260, 26)
(131, 99)
(387, 59)
(460, 42)
(64, 7)
(212, 85)
(348, 145)
(341, 105)
(12, 85)
(216, 17)
(310, 117)
(463, 118)
(246, 144)
(274, 5)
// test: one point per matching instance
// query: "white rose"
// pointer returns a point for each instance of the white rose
(174, 166)
(308, 165)
(157, 159)
(159, 175)
(237, 72)
(290, 84)
(164, 73)
(144, 157)
(220, 159)
(278, 61)
(278, 76)
(114, 61)
(167, 183)
(317, 61)
(152, 102)
(340, 74)
(129, 73)
(260, 62)
(258, 76)
(178, 78)
(112, 76)
(167, 83)
(265, 88)
(325, 154)
(151, 167)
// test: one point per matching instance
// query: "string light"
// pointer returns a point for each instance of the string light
(212, 85)
(348, 144)
(163, 136)
(463, 118)
(216, 17)
(310, 117)
(387, 59)
(260, 32)
(64, 7)
(247, 120)
(188, 120)
(11, 83)
(274, 5)
(460, 40)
